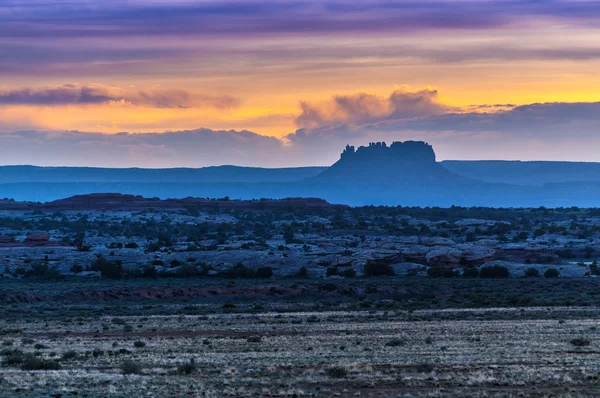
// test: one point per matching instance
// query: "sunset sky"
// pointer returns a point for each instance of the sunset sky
(296, 80)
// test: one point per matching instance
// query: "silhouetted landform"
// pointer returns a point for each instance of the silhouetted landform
(19, 174)
(123, 202)
(404, 173)
(401, 162)
(535, 173)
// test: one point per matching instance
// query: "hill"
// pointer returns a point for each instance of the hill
(535, 173)
(216, 174)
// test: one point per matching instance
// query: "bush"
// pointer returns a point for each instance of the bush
(75, 269)
(376, 268)
(108, 269)
(139, 344)
(470, 273)
(302, 273)
(34, 363)
(239, 271)
(331, 271)
(187, 270)
(496, 271)
(337, 372)
(348, 273)
(187, 367)
(532, 272)
(13, 357)
(264, 272)
(580, 342)
(131, 245)
(149, 272)
(130, 367)
(437, 272)
(69, 354)
(394, 343)
(44, 271)
(551, 273)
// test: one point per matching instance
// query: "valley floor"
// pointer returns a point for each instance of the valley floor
(370, 337)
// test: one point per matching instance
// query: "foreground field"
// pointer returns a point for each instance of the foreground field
(231, 344)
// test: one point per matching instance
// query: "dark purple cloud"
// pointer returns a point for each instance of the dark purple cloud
(98, 38)
(98, 94)
(46, 19)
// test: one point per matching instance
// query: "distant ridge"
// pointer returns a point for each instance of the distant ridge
(19, 174)
(404, 173)
(124, 202)
(534, 173)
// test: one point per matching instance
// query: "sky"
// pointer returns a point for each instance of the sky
(164, 83)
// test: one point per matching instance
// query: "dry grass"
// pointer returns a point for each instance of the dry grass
(340, 354)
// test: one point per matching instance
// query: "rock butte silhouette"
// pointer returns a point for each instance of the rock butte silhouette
(401, 162)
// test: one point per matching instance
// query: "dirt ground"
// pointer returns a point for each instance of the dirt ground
(371, 353)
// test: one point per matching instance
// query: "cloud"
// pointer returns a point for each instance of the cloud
(70, 94)
(193, 148)
(367, 108)
(553, 131)
(549, 131)
(74, 18)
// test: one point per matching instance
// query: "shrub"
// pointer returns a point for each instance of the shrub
(394, 343)
(424, 368)
(437, 272)
(108, 269)
(69, 354)
(239, 271)
(13, 357)
(264, 272)
(130, 367)
(331, 271)
(187, 367)
(532, 272)
(149, 272)
(328, 287)
(187, 270)
(131, 245)
(337, 372)
(31, 362)
(551, 273)
(254, 339)
(44, 271)
(377, 268)
(302, 273)
(27, 341)
(139, 344)
(348, 273)
(496, 271)
(229, 306)
(470, 273)
(76, 268)
(580, 342)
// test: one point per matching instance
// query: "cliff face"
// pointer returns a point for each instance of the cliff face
(401, 162)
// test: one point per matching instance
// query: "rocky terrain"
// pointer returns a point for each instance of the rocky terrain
(113, 235)
(111, 295)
